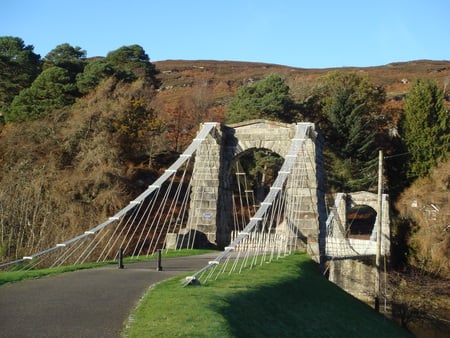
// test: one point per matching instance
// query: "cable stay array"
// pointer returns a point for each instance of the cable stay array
(269, 234)
(138, 229)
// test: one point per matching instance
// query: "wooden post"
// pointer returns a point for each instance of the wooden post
(379, 226)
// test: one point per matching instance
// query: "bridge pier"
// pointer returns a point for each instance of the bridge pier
(205, 190)
(211, 195)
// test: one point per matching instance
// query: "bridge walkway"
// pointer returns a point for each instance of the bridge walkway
(84, 303)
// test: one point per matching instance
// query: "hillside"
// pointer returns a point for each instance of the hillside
(85, 161)
(223, 77)
(72, 168)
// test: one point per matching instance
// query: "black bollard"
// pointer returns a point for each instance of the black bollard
(120, 258)
(159, 267)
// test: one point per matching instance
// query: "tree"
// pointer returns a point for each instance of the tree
(19, 66)
(264, 170)
(349, 102)
(131, 62)
(267, 98)
(52, 89)
(94, 72)
(68, 57)
(426, 127)
(136, 127)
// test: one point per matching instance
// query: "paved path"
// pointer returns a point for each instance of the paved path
(84, 303)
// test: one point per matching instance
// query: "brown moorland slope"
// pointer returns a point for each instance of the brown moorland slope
(225, 76)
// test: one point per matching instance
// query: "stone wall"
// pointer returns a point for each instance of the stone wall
(357, 277)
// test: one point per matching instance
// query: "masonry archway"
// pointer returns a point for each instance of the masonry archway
(306, 208)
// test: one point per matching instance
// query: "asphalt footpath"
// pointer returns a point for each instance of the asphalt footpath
(85, 303)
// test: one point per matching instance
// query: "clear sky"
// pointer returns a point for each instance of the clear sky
(297, 33)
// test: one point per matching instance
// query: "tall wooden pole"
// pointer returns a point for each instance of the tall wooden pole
(379, 226)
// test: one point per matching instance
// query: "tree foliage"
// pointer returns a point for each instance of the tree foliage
(426, 127)
(52, 89)
(349, 102)
(136, 126)
(68, 57)
(94, 72)
(127, 63)
(131, 62)
(19, 66)
(267, 99)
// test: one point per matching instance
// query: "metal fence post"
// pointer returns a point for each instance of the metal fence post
(120, 258)
(159, 267)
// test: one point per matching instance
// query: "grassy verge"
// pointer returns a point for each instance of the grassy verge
(287, 298)
(15, 276)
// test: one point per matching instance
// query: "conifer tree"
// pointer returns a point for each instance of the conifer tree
(52, 89)
(267, 98)
(426, 127)
(19, 66)
(348, 102)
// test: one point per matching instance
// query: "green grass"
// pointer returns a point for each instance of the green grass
(15, 276)
(286, 298)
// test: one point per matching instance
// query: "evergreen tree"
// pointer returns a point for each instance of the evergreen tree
(348, 102)
(52, 89)
(131, 62)
(266, 99)
(68, 57)
(94, 72)
(426, 127)
(19, 66)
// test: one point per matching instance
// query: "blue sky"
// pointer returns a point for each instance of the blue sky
(297, 33)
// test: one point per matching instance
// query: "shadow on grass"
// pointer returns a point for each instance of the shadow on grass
(305, 306)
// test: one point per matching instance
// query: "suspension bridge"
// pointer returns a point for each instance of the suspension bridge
(203, 201)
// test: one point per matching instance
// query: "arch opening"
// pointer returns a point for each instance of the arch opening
(360, 221)
(252, 174)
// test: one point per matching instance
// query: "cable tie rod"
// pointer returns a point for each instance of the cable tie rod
(28, 257)
(213, 263)
(61, 245)
(229, 248)
(114, 218)
(89, 232)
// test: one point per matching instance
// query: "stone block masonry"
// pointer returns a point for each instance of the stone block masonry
(211, 196)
